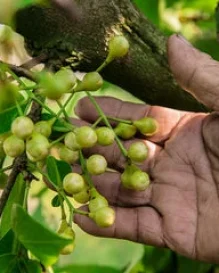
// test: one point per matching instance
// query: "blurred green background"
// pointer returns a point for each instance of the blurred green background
(195, 19)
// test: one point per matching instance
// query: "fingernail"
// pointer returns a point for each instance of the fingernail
(183, 39)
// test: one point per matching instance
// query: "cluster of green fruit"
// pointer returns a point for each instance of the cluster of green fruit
(35, 140)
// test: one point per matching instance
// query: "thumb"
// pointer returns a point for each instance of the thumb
(195, 71)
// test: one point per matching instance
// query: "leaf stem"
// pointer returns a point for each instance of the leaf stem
(101, 114)
(120, 120)
(84, 169)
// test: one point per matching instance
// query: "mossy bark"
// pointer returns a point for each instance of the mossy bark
(144, 72)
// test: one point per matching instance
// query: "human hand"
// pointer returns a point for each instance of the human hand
(180, 208)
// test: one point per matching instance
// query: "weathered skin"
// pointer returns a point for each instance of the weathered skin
(180, 209)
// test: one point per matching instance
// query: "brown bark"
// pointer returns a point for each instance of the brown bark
(83, 44)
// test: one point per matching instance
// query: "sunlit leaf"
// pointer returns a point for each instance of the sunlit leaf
(43, 243)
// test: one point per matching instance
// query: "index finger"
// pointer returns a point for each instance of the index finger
(167, 118)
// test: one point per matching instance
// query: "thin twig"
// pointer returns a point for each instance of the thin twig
(20, 71)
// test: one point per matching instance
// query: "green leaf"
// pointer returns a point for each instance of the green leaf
(43, 243)
(7, 116)
(16, 197)
(150, 9)
(87, 268)
(6, 243)
(31, 266)
(57, 170)
(56, 202)
(190, 266)
(8, 264)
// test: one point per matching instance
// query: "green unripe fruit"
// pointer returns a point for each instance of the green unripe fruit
(104, 217)
(73, 183)
(22, 127)
(9, 94)
(38, 147)
(92, 81)
(3, 180)
(68, 233)
(86, 137)
(63, 226)
(96, 164)
(125, 131)
(43, 128)
(83, 196)
(67, 77)
(138, 151)
(68, 155)
(105, 136)
(52, 88)
(71, 142)
(2, 139)
(13, 146)
(139, 181)
(118, 47)
(125, 176)
(97, 203)
(146, 126)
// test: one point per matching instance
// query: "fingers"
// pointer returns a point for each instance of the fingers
(117, 161)
(109, 185)
(167, 118)
(142, 224)
(195, 71)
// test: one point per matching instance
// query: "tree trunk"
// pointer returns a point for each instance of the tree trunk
(144, 72)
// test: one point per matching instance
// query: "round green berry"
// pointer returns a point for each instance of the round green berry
(73, 183)
(138, 151)
(43, 127)
(139, 181)
(86, 137)
(22, 127)
(118, 47)
(52, 88)
(147, 126)
(125, 176)
(105, 136)
(104, 217)
(68, 155)
(92, 81)
(68, 233)
(97, 203)
(13, 146)
(66, 77)
(96, 164)
(83, 196)
(125, 131)
(71, 142)
(37, 147)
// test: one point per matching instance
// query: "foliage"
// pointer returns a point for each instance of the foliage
(19, 231)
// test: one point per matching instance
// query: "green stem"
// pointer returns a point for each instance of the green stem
(101, 114)
(104, 64)
(120, 120)
(96, 122)
(62, 109)
(57, 141)
(19, 109)
(65, 104)
(26, 194)
(84, 169)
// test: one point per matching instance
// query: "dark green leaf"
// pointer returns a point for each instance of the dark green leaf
(16, 197)
(56, 202)
(87, 269)
(8, 264)
(190, 266)
(57, 170)
(6, 243)
(43, 243)
(7, 116)
(30, 266)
